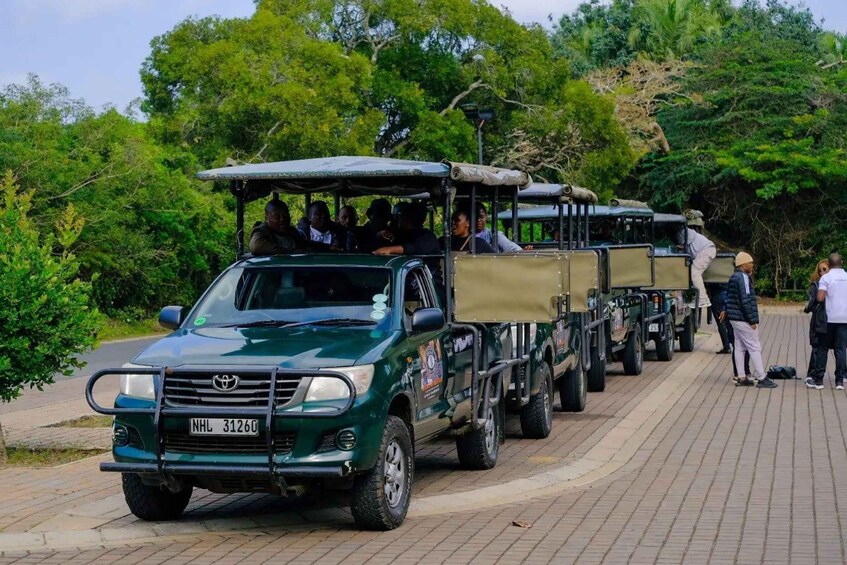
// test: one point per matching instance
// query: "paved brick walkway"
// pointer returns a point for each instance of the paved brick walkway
(723, 475)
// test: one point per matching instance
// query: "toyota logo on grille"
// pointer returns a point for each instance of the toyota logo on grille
(225, 383)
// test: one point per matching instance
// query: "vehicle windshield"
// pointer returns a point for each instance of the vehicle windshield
(291, 296)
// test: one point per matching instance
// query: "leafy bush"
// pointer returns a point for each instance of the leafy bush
(45, 317)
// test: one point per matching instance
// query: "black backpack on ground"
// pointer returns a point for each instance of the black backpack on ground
(782, 372)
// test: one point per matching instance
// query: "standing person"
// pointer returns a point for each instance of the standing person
(817, 330)
(702, 252)
(743, 314)
(832, 291)
(717, 295)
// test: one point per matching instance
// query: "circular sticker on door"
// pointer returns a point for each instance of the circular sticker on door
(377, 314)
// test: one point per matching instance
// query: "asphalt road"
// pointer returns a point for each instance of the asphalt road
(114, 354)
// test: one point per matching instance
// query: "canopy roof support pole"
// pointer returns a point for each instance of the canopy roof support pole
(516, 232)
(495, 202)
(570, 227)
(472, 219)
(562, 228)
(448, 246)
(587, 234)
(578, 226)
(237, 188)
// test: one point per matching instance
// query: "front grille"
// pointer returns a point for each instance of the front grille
(183, 442)
(195, 389)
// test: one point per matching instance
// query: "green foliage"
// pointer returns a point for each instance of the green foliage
(46, 319)
(151, 232)
(596, 35)
(668, 29)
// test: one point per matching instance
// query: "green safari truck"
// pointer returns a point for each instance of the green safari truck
(325, 370)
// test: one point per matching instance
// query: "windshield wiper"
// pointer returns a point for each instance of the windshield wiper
(259, 324)
(334, 322)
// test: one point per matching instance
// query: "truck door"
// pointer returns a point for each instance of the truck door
(429, 352)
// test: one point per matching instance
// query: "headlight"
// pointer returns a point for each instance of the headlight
(329, 388)
(138, 386)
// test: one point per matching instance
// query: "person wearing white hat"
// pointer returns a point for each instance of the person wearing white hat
(743, 314)
(832, 291)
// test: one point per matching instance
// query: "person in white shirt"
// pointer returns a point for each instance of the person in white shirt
(493, 238)
(832, 291)
(319, 229)
(702, 252)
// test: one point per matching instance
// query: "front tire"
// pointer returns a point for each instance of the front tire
(686, 336)
(537, 416)
(665, 347)
(380, 497)
(633, 355)
(153, 503)
(478, 449)
(573, 389)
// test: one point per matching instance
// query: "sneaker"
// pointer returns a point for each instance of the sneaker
(724, 351)
(839, 386)
(744, 382)
(810, 382)
(766, 383)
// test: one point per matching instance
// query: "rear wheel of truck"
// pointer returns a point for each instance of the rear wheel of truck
(380, 497)
(537, 416)
(573, 389)
(597, 372)
(478, 449)
(686, 336)
(153, 503)
(665, 347)
(633, 354)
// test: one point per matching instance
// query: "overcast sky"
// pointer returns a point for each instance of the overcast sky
(95, 47)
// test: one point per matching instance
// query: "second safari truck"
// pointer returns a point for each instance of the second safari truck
(310, 370)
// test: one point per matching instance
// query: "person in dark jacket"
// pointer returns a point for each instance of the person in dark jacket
(743, 314)
(817, 330)
(717, 295)
(276, 235)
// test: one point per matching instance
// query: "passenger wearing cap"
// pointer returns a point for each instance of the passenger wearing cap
(743, 313)
(702, 252)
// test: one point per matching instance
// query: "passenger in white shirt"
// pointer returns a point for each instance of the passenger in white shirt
(832, 291)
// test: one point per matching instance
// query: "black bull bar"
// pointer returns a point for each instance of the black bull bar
(268, 413)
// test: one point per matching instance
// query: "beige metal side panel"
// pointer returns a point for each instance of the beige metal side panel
(672, 272)
(720, 269)
(583, 278)
(630, 267)
(519, 287)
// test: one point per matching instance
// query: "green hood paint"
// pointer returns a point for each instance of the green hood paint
(297, 348)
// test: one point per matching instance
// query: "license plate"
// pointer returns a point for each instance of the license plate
(654, 328)
(224, 427)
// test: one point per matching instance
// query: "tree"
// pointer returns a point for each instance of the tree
(596, 35)
(375, 77)
(46, 319)
(669, 29)
(152, 232)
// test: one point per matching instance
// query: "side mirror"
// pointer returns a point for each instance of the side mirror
(171, 317)
(427, 320)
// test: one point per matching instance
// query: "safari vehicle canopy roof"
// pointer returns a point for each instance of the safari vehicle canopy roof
(562, 192)
(665, 219)
(551, 212)
(351, 176)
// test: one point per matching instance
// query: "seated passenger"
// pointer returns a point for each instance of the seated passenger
(347, 221)
(320, 230)
(461, 235)
(275, 235)
(409, 236)
(379, 216)
(499, 239)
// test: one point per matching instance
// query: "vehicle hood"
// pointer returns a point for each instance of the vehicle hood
(298, 348)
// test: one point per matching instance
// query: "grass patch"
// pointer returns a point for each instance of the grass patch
(26, 457)
(85, 422)
(120, 329)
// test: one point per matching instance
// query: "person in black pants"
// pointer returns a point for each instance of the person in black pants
(717, 295)
(817, 331)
